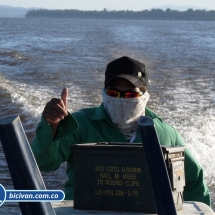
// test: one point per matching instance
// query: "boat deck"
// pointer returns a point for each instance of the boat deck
(66, 207)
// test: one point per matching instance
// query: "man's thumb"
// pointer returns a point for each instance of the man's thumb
(64, 96)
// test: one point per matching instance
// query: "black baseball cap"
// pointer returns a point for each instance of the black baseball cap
(128, 68)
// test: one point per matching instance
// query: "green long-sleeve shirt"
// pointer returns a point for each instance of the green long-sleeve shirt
(92, 125)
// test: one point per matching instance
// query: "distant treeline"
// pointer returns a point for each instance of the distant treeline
(154, 14)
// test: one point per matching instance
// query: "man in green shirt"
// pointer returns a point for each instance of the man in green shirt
(124, 100)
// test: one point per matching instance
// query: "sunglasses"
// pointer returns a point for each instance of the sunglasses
(125, 94)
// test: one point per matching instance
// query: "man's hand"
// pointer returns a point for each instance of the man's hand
(55, 110)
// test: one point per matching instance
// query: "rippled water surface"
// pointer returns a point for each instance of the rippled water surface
(38, 57)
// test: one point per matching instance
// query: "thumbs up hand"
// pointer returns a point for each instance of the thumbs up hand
(64, 97)
(56, 109)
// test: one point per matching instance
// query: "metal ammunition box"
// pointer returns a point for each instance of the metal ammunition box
(174, 159)
(115, 177)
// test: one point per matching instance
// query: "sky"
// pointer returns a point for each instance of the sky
(135, 5)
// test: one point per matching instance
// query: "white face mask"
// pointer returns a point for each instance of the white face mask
(125, 112)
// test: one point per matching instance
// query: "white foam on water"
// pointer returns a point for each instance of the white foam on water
(191, 111)
(31, 99)
(199, 135)
(27, 97)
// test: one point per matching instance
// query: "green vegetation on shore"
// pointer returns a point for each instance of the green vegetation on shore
(154, 14)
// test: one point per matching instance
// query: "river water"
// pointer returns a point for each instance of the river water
(38, 57)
